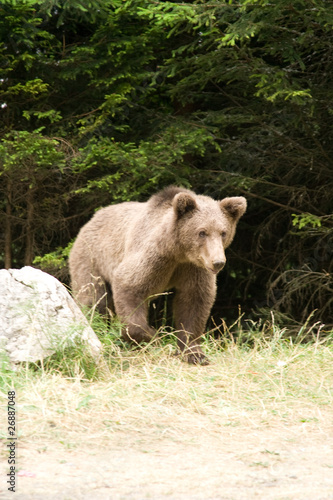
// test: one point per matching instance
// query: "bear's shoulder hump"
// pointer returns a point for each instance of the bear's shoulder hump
(166, 196)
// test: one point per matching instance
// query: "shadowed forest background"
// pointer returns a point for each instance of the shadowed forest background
(108, 101)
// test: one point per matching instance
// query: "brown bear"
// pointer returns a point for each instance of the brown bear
(130, 252)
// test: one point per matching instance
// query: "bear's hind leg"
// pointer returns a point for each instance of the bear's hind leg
(96, 293)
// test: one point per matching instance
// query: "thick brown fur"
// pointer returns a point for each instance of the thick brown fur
(174, 240)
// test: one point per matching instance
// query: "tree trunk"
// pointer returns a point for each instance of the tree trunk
(8, 227)
(29, 241)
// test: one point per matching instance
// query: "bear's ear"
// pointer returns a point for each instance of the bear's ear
(183, 203)
(235, 207)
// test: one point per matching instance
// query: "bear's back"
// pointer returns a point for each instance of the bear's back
(106, 232)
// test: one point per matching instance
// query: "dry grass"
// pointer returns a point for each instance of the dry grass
(275, 384)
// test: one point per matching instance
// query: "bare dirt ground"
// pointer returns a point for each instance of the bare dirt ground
(255, 424)
(281, 464)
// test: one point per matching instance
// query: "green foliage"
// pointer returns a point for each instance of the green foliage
(102, 102)
(304, 220)
(26, 155)
(72, 361)
(7, 373)
(132, 169)
(32, 176)
(55, 263)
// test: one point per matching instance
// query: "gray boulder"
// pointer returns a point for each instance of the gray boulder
(38, 316)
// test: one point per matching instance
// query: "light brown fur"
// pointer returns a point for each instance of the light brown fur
(174, 240)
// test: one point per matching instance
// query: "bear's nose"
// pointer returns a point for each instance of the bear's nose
(218, 265)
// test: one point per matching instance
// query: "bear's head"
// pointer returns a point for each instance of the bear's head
(205, 227)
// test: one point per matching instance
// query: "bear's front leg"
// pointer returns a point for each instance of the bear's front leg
(190, 349)
(132, 310)
(195, 296)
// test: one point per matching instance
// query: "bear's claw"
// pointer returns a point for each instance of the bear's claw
(197, 358)
(193, 358)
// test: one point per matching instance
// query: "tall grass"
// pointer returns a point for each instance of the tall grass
(258, 377)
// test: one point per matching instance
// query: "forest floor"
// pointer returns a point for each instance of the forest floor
(254, 424)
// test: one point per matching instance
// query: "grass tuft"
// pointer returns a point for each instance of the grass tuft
(257, 378)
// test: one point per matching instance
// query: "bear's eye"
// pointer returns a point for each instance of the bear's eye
(202, 234)
(223, 234)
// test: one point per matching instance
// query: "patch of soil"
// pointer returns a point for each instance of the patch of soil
(242, 464)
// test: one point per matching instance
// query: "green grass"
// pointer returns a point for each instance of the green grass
(256, 378)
